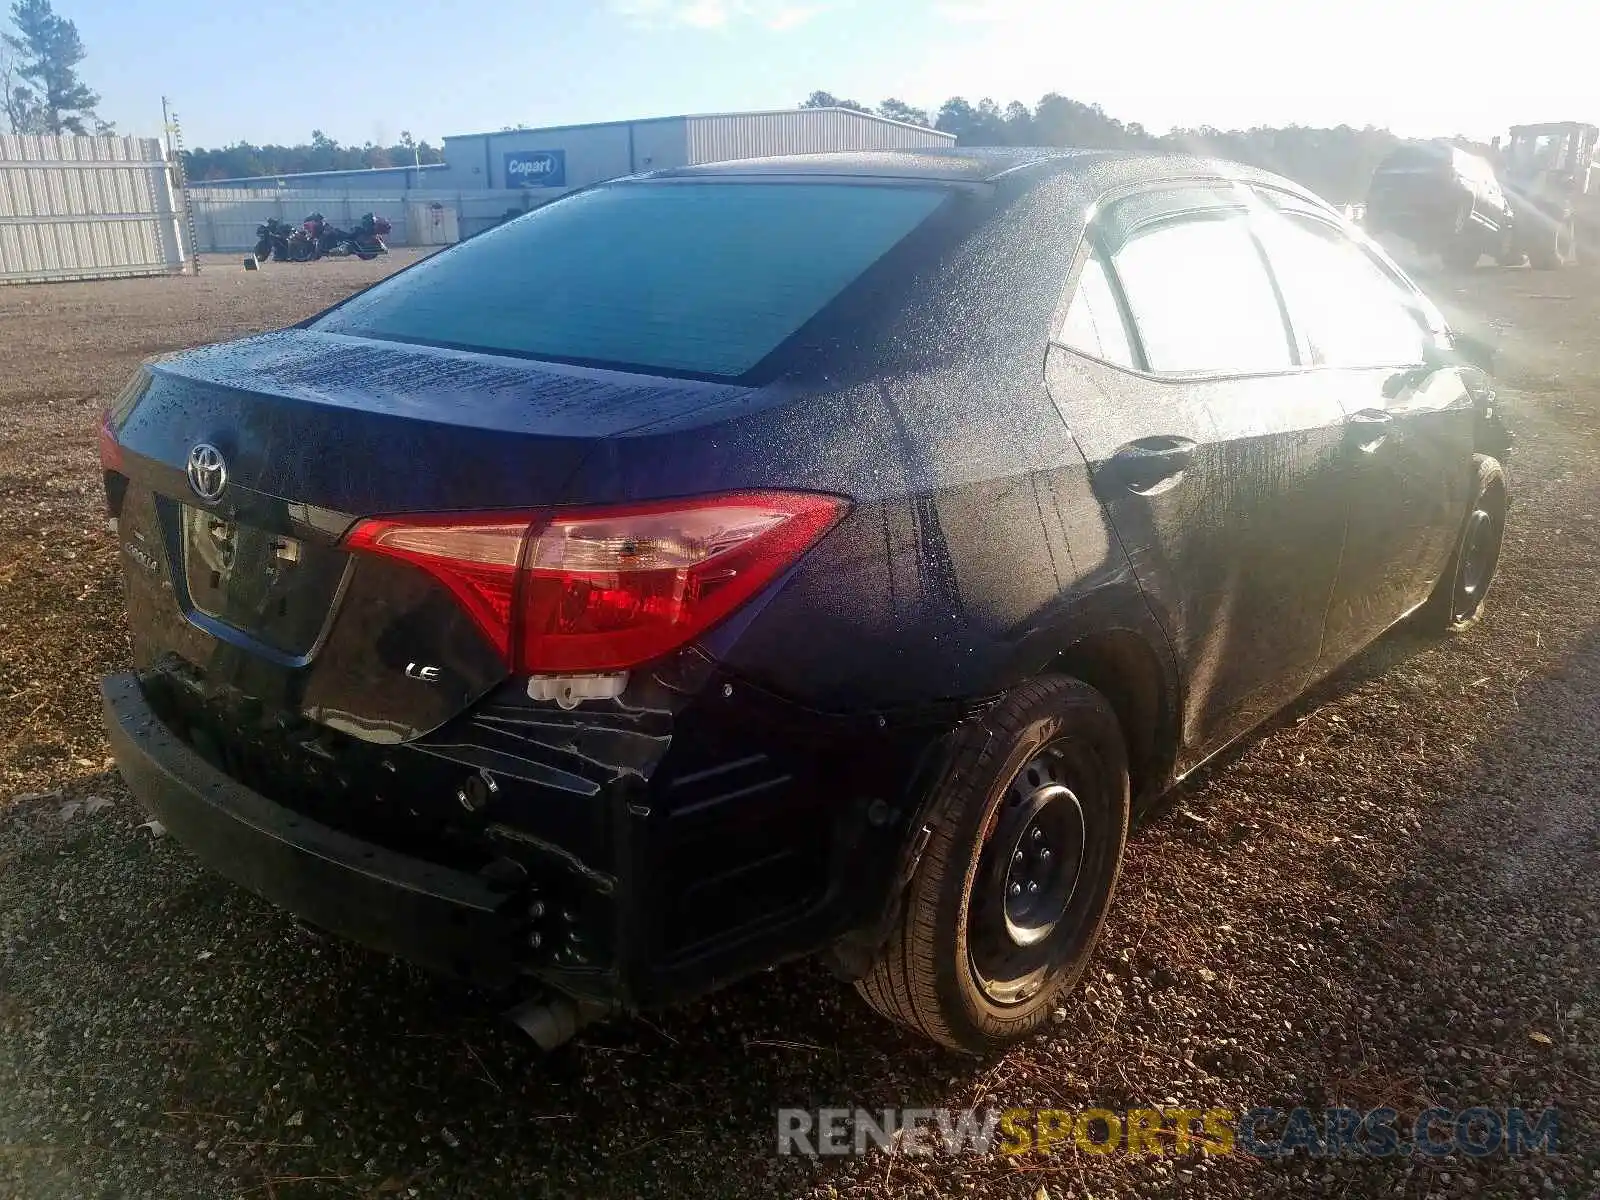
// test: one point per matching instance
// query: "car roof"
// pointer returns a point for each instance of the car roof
(951, 164)
(1097, 171)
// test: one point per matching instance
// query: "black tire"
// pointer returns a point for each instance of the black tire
(1049, 758)
(1508, 253)
(1554, 248)
(1458, 597)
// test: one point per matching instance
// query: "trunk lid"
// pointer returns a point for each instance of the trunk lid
(249, 594)
(357, 425)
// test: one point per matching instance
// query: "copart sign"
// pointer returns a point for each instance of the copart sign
(536, 168)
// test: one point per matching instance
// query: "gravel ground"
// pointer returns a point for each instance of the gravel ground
(1389, 897)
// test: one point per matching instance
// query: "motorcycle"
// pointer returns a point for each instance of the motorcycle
(272, 241)
(365, 241)
(316, 238)
(305, 243)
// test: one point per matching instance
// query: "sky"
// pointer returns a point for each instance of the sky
(364, 70)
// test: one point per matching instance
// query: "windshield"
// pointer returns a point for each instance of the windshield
(696, 278)
(1539, 151)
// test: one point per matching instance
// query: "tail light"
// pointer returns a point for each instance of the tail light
(110, 449)
(606, 589)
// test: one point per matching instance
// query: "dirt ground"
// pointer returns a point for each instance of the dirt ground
(1391, 896)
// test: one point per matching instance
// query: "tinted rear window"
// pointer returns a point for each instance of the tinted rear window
(697, 278)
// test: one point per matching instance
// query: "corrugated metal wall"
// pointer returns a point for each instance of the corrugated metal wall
(384, 181)
(85, 208)
(803, 131)
(226, 218)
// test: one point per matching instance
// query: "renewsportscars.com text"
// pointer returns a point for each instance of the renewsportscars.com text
(1476, 1132)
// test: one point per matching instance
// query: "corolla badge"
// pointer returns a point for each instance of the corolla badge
(142, 557)
(208, 472)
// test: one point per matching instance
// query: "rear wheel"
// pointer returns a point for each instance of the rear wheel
(1508, 253)
(1008, 900)
(1555, 248)
(1459, 595)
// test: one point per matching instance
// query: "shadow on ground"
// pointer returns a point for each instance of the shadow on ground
(154, 1013)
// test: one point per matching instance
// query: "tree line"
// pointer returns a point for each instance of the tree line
(1335, 163)
(41, 92)
(321, 153)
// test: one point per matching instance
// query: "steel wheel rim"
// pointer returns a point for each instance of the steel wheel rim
(1037, 835)
(1477, 563)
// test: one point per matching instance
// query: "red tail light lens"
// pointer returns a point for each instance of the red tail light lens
(475, 558)
(110, 449)
(607, 589)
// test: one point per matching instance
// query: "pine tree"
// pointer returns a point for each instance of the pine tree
(50, 98)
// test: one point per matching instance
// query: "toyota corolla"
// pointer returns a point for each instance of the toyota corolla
(822, 555)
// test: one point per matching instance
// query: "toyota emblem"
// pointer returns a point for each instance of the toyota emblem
(208, 472)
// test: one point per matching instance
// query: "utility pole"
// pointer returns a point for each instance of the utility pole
(174, 136)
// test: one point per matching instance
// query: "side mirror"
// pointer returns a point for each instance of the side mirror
(1473, 351)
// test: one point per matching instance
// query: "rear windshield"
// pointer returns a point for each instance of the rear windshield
(692, 278)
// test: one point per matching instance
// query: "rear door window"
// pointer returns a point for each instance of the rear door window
(1201, 298)
(1093, 323)
(692, 278)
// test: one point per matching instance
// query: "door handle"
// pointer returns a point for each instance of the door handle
(1370, 418)
(1369, 427)
(1153, 464)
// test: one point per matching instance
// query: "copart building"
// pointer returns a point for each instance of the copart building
(487, 176)
(564, 157)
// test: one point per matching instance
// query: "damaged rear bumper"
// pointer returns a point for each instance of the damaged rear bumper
(759, 833)
(448, 920)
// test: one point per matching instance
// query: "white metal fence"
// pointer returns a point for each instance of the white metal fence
(86, 208)
(226, 218)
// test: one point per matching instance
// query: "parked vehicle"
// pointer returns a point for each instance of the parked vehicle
(305, 243)
(1549, 171)
(365, 241)
(272, 241)
(317, 238)
(321, 237)
(1444, 201)
(821, 554)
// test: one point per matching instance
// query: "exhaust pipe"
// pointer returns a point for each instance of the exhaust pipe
(554, 1020)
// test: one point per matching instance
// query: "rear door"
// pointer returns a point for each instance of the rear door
(1407, 449)
(1215, 456)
